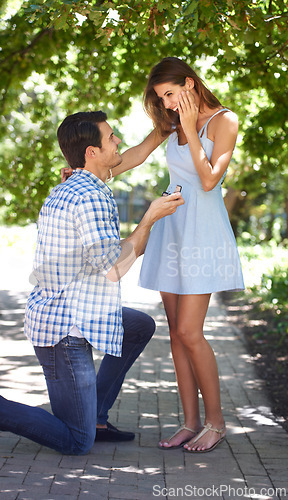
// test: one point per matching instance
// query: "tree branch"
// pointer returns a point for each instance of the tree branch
(29, 46)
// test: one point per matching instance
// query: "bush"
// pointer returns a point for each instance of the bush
(273, 288)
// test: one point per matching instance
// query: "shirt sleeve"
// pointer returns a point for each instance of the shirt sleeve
(97, 225)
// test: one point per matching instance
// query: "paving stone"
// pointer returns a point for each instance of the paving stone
(89, 495)
(9, 483)
(45, 496)
(121, 491)
(249, 464)
(73, 462)
(12, 471)
(9, 495)
(263, 487)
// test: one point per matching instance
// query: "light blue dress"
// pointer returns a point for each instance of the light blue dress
(192, 251)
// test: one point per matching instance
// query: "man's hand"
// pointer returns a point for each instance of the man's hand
(134, 245)
(166, 205)
(65, 173)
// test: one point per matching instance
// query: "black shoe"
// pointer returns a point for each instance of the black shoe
(112, 434)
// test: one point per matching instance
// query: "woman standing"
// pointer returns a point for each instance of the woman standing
(193, 252)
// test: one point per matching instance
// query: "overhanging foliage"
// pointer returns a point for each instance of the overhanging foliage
(58, 57)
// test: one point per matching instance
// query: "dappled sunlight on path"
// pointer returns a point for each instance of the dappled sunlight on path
(251, 463)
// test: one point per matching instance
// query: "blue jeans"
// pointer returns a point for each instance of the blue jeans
(74, 389)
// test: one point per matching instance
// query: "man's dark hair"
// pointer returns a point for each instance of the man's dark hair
(77, 132)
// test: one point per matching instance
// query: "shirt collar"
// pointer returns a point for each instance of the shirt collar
(95, 180)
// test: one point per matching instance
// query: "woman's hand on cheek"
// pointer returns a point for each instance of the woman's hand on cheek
(188, 112)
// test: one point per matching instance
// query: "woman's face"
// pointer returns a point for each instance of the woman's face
(169, 94)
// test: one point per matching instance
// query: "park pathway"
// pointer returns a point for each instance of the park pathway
(251, 463)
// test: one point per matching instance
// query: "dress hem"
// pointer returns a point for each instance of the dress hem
(157, 289)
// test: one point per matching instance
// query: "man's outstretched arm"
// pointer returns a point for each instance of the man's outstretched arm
(134, 245)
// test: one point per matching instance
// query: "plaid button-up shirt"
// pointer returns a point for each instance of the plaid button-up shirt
(78, 243)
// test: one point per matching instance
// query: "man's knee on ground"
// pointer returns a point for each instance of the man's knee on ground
(138, 326)
(83, 447)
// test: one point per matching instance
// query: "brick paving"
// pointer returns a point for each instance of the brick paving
(251, 463)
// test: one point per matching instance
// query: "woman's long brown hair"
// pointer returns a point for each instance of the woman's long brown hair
(172, 70)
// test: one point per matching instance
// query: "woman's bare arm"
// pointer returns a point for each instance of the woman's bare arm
(210, 172)
(137, 155)
(132, 157)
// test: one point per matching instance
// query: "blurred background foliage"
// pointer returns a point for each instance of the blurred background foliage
(59, 57)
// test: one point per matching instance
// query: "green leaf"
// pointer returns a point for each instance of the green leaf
(61, 21)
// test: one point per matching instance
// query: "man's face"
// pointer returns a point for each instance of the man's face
(109, 149)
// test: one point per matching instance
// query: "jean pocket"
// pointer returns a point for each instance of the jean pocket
(74, 342)
(47, 359)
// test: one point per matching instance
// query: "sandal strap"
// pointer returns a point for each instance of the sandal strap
(183, 427)
(188, 429)
(206, 428)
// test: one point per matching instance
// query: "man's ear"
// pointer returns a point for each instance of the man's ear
(189, 83)
(91, 151)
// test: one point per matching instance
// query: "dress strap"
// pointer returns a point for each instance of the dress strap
(204, 128)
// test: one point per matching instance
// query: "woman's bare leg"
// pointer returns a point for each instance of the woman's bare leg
(187, 385)
(191, 314)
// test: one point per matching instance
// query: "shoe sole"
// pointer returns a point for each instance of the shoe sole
(173, 447)
(207, 450)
